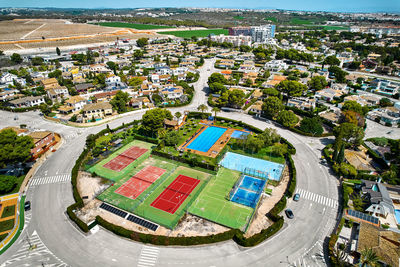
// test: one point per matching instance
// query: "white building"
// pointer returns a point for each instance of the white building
(276, 65)
(261, 34)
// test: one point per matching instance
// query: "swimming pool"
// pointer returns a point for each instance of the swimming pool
(242, 163)
(207, 139)
(397, 215)
(239, 134)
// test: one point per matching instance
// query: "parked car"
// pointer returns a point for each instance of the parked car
(27, 205)
(296, 197)
(289, 213)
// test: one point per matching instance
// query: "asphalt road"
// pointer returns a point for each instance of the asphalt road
(59, 243)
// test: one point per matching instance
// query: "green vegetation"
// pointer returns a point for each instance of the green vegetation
(133, 25)
(14, 148)
(10, 184)
(213, 203)
(8, 211)
(6, 225)
(3, 236)
(196, 33)
(238, 17)
(297, 21)
(273, 19)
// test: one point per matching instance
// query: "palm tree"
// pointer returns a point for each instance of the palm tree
(161, 133)
(340, 256)
(202, 108)
(215, 110)
(369, 258)
(177, 116)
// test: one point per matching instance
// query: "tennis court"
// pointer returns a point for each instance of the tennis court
(124, 159)
(213, 203)
(175, 194)
(140, 182)
(252, 166)
(118, 166)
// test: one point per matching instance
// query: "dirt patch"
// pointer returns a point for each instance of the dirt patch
(90, 186)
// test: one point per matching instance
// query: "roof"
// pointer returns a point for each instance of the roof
(83, 86)
(75, 99)
(65, 108)
(95, 106)
(49, 81)
(358, 160)
(170, 122)
(25, 99)
(38, 136)
(384, 243)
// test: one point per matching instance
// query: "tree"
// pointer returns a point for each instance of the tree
(332, 61)
(216, 78)
(291, 88)
(171, 138)
(178, 115)
(311, 125)
(135, 81)
(353, 106)
(217, 88)
(236, 98)
(340, 157)
(354, 117)
(339, 74)
(279, 149)
(270, 136)
(37, 61)
(385, 102)
(271, 92)
(142, 42)
(138, 54)
(74, 118)
(254, 143)
(248, 83)
(369, 258)
(153, 120)
(120, 101)
(7, 183)
(349, 133)
(272, 106)
(16, 58)
(215, 110)
(317, 83)
(287, 118)
(58, 51)
(14, 148)
(202, 108)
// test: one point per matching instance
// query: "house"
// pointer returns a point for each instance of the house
(384, 243)
(276, 65)
(331, 116)
(380, 150)
(96, 111)
(58, 94)
(275, 80)
(8, 94)
(359, 160)
(388, 115)
(74, 103)
(8, 78)
(302, 103)
(380, 203)
(99, 68)
(328, 94)
(363, 100)
(49, 83)
(171, 93)
(171, 124)
(84, 87)
(226, 63)
(105, 96)
(28, 101)
(114, 82)
(136, 102)
(256, 107)
(42, 141)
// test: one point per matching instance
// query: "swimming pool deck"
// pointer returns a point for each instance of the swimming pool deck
(215, 148)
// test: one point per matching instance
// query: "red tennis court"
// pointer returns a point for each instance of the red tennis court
(175, 194)
(124, 159)
(140, 182)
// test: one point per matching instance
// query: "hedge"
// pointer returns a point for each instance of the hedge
(292, 173)
(146, 138)
(273, 214)
(18, 110)
(70, 211)
(291, 148)
(192, 161)
(332, 241)
(241, 124)
(198, 115)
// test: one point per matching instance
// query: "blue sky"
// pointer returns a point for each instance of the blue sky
(312, 5)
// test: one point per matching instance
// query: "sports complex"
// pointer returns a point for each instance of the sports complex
(161, 191)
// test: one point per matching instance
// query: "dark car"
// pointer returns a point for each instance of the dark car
(289, 213)
(27, 205)
(296, 197)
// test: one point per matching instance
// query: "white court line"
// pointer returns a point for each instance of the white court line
(29, 33)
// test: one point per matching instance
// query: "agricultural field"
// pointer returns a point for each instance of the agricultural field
(197, 33)
(238, 17)
(133, 25)
(272, 19)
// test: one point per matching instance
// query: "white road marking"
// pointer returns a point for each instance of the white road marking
(50, 179)
(325, 201)
(148, 256)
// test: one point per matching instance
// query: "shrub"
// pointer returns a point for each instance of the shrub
(292, 173)
(274, 212)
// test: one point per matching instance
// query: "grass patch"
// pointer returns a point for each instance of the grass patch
(103, 138)
(273, 182)
(238, 17)
(3, 236)
(353, 181)
(196, 33)
(271, 19)
(7, 225)
(213, 203)
(300, 21)
(268, 191)
(133, 25)
(336, 28)
(8, 211)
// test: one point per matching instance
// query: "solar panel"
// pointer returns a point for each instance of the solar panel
(113, 210)
(142, 222)
(363, 216)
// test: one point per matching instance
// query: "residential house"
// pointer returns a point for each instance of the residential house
(49, 83)
(114, 82)
(331, 116)
(171, 93)
(380, 203)
(226, 63)
(42, 141)
(58, 94)
(302, 103)
(84, 87)
(363, 100)
(328, 94)
(276, 65)
(8, 94)
(74, 103)
(9, 79)
(28, 101)
(99, 68)
(104, 96)
(387, 115)
(96, 111)
(256, 107)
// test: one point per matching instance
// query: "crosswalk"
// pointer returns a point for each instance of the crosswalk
(28, 218)
(148, 256)
(317, 198)
(33, 250)
(61, 178)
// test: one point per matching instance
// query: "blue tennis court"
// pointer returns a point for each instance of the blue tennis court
(239, 134)
(252, 183)
(207, 139)
(245, 197)
(252, 166)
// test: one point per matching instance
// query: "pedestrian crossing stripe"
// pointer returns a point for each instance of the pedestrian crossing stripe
(148, 256)
(318, 198)
(50, 179)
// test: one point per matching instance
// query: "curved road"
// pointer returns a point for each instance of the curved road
(59, 243)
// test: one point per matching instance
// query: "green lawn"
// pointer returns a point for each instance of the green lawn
(6, 225)
(213, 204)
(336, 28)
(197, 33)
(300, 21)
(129, 204)
(114, 175)
(133, 25)
(162, 217)
(8, 211)
(238, 17)
(271, 19)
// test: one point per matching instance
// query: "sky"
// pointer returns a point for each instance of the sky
(308, 5)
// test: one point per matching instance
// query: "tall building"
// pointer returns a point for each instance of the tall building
(259, 34)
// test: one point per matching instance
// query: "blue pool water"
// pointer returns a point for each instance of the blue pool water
(252, 183)
(397, 214)
(207, 138)
(245, 197)
(237, 134)
(239, 162)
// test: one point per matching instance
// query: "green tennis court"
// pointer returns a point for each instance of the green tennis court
(164, 218)
(112, 175)
(213, 204)
(128, 204)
